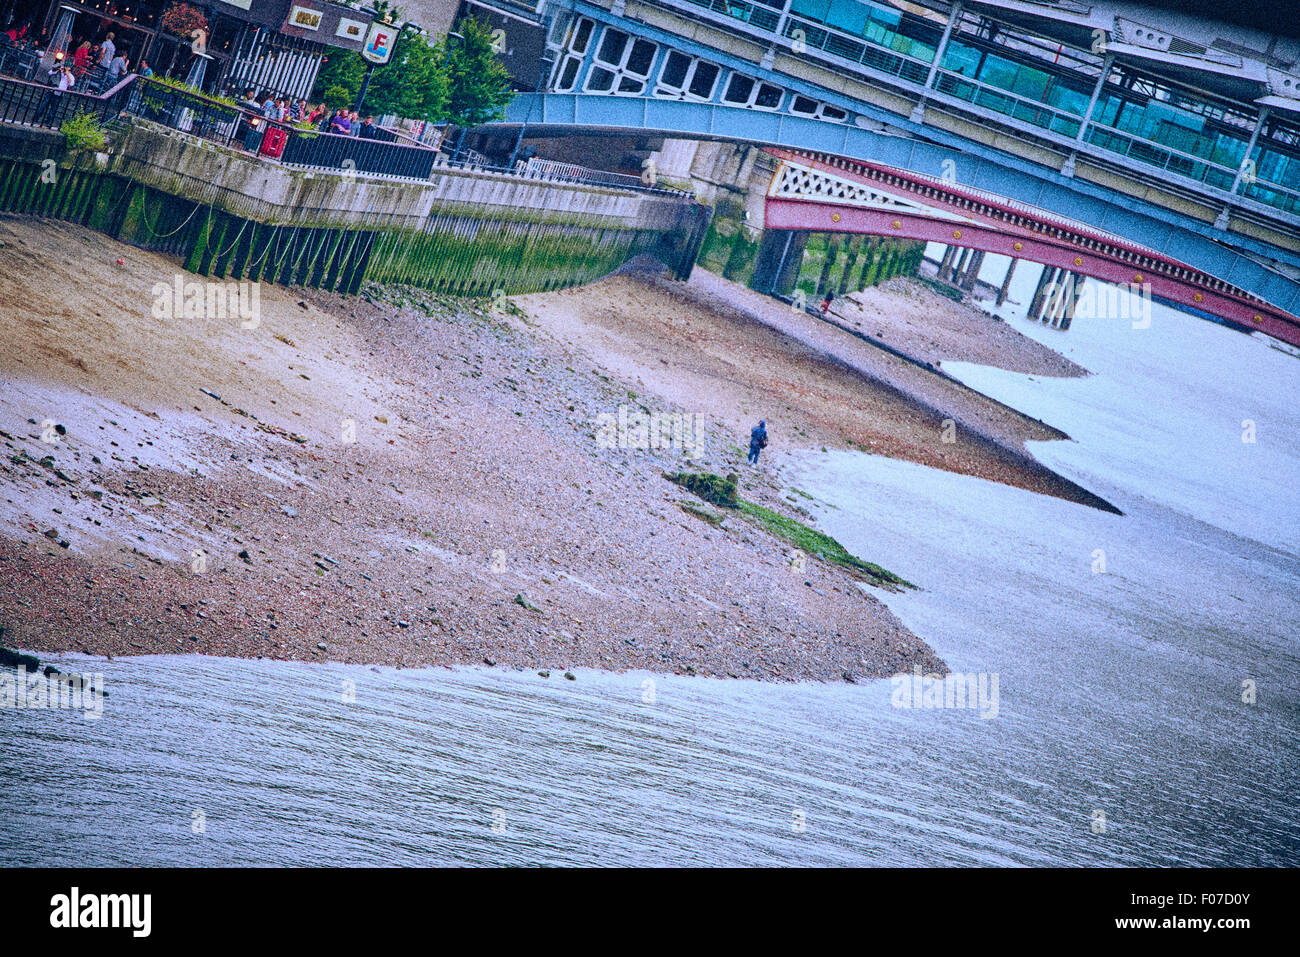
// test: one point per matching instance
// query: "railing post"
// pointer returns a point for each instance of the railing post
(1067, 169)
(918, 112)
(1221, 221)
(1250, 148)
(782, 19)
(1107, 62)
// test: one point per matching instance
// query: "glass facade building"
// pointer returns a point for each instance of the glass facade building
(1078, 97)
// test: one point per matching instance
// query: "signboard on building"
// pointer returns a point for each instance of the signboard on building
(378, 47)
(264, 13)
(323, 22)
(304, 18)
(351, 29)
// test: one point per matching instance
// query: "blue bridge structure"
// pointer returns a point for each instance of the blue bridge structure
(1178, 134)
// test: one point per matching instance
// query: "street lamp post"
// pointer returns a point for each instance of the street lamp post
(365, 85)
(370, 66)
(452, 35)
(543, 73)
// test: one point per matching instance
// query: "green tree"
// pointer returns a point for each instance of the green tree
(386, 12)
(480, 83)
(413, 84)
(337, 97)
(342, 68)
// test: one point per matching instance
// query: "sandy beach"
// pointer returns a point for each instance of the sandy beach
(396, 479)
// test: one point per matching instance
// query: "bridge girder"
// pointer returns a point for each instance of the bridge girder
(834, 194)
(1193, 243)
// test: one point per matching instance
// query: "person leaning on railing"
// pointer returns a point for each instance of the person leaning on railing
(52, 96)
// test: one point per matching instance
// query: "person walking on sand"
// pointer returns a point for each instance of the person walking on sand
(826, 301)
(757, 441)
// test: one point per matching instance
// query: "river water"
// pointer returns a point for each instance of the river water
(1122, 647)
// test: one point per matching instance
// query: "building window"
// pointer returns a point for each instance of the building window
(739, 90)
(806, 106)
(576, 39)
(746, 91)
(622, 64)
(687, 78)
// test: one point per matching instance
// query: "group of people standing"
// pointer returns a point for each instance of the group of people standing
(103, 61)
(94, 66)
(297, 112)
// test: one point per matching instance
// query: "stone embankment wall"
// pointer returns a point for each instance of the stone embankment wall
(228, 214)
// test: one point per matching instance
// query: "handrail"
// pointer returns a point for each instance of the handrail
(239, 126)
(1230, 171)
(592, 177)
(705, 10)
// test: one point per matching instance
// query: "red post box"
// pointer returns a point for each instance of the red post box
(273, 141)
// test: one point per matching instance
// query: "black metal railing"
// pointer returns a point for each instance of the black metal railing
(23, 102)
(187, 111)
(382, 152)
(334, 151)
(19, 61)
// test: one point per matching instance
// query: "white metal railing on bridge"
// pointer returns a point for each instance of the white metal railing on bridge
(580, 174)
(952, 88)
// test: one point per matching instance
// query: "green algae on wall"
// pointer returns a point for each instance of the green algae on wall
(728, 248)
(842, 263)
(461, 249)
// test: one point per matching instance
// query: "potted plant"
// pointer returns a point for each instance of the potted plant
(185, 21)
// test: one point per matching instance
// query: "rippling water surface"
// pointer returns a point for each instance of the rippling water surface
(1119, 691)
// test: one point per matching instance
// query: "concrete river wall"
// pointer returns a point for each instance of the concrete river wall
(228, 214)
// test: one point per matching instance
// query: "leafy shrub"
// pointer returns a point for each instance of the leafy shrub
(83, 132)
(182, 19)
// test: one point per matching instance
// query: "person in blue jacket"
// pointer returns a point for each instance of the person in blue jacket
(757, 441)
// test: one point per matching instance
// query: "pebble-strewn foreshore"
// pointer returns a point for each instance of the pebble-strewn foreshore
(374, 482)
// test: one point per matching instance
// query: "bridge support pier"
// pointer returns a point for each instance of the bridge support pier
(958, 265)
(780, 254)
(832, 257)
(1040, 292)
(856, 243)
(1006, 283)
(945, 265)
(972, 270)
(1055, 297)
(866, 271)
(1071, 289)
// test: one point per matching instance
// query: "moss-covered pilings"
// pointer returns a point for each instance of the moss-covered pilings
(840, 263)
(460, 247)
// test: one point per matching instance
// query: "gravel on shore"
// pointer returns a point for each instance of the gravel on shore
(407, 480)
